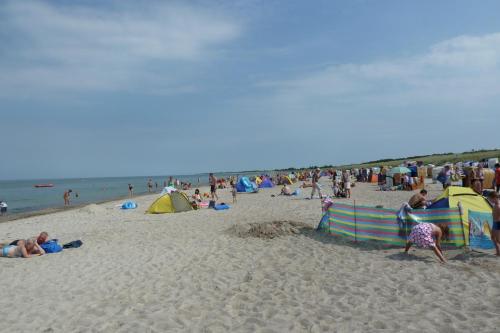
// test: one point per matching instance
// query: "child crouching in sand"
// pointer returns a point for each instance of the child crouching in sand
(428, 235)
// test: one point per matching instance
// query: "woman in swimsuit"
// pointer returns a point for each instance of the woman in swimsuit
(428, 235)
(24, 249)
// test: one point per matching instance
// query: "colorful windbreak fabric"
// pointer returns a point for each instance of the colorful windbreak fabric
(363, 223)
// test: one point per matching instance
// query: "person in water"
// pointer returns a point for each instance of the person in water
(428, 235)
(67, 196)
(24, 249)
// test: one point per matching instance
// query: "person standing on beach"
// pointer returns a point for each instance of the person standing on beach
(315, 186)
(495, 232)
(3, 207)
(150, 185)
(66, 197)
(233, 191)
(444, 176)
(478, 179)
(130, 190)
(213, 186)
(346, 178)
(497, 176)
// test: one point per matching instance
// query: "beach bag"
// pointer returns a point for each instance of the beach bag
(73, 245)
(51, 246)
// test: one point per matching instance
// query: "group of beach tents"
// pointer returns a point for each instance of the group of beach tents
(172, 201)
(245, 185)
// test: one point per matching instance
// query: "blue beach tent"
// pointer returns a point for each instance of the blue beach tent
(266, 183)
(244, 185)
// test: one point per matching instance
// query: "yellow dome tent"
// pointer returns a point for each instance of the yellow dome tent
(174, 202)
(468, 199)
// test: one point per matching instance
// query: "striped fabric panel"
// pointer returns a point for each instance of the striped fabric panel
(380, 224)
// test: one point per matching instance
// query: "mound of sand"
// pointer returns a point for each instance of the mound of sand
(93, 209)
(268, 229)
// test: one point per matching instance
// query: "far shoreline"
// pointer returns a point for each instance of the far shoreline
(51, 210)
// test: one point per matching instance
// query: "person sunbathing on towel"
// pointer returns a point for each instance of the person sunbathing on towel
(24, 249)
(40, 239)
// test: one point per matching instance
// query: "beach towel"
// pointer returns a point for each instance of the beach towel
(51, 246)
(221, 206)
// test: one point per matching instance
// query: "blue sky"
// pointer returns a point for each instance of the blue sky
(117, 88)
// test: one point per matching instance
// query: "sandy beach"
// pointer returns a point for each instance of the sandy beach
(197, 272)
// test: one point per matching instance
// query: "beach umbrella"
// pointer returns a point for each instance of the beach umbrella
(401, 170)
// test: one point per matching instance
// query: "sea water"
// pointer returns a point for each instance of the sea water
(22, 196)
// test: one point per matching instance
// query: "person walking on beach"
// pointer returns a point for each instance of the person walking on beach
(495, 232)
(3, 208)
(130, 190)
(66, 197)
(150, 185)
(213, 186)
(315, 186)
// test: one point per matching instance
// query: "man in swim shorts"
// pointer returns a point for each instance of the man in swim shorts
(418, 200)
(495, 232)
(213, 186)
(24, 248)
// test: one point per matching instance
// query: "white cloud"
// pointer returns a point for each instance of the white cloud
(460, 72)
(74, 48)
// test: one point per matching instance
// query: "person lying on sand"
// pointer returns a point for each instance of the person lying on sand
(40, 239)
(24, 249)
(428, 235)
